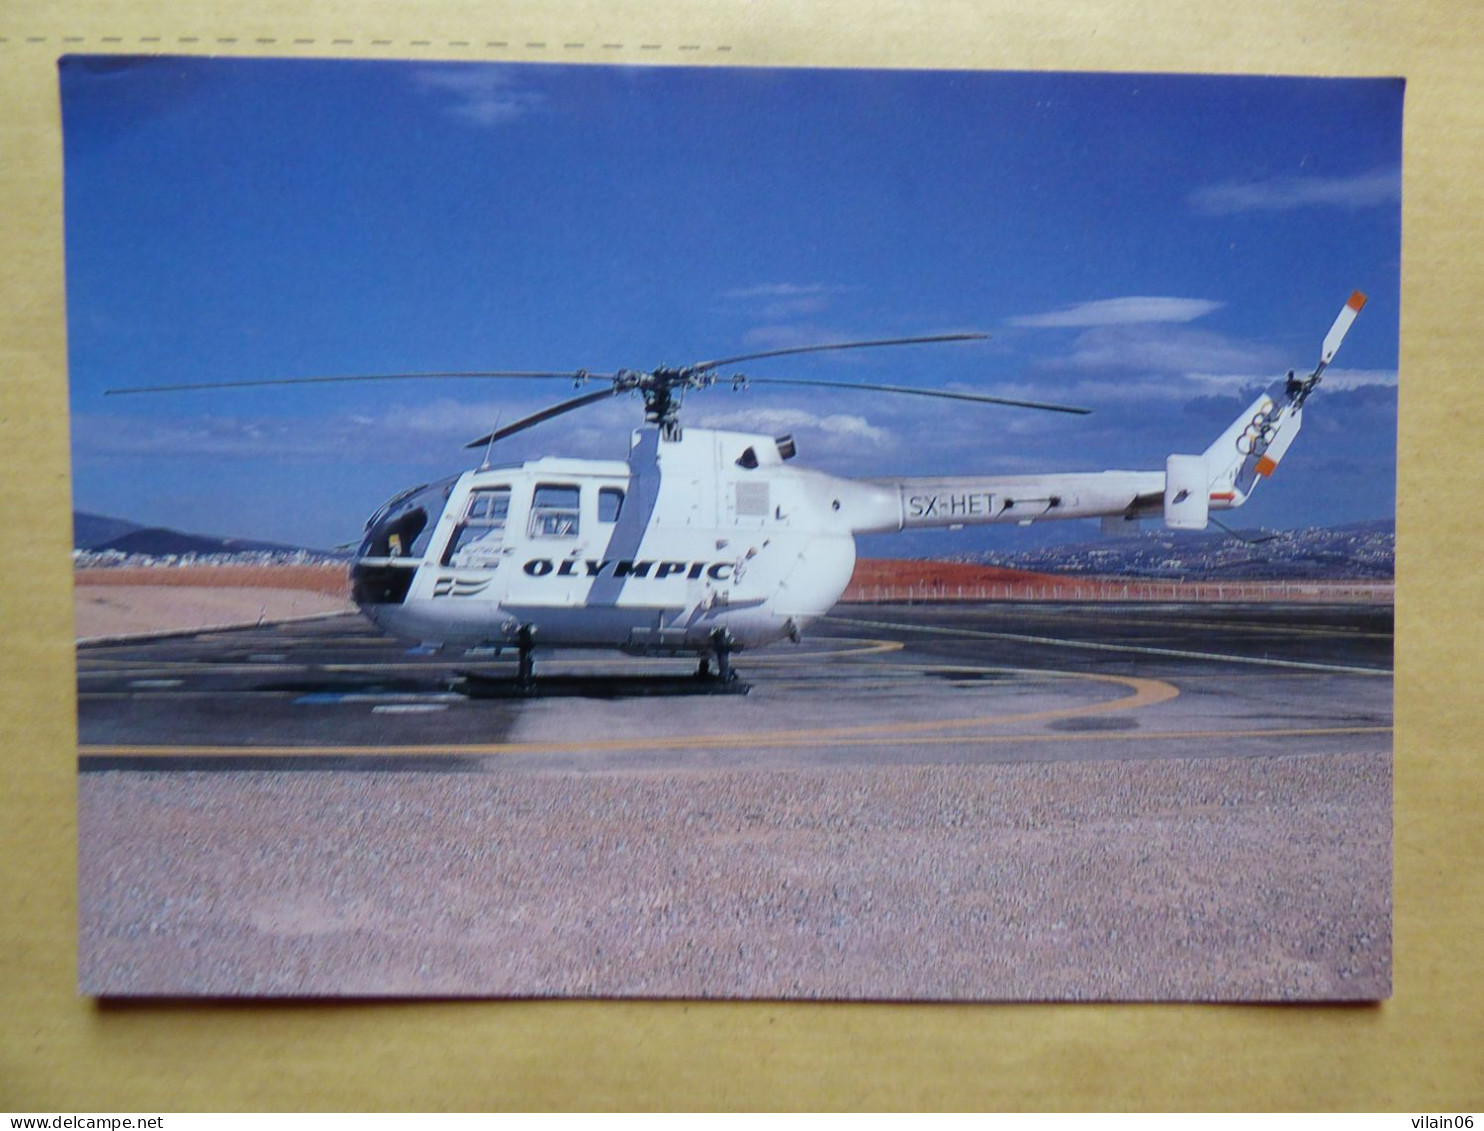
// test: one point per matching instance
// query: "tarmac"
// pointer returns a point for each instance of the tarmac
(937, 802)
(871, 685)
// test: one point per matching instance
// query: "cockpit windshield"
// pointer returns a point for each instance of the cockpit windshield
(402, 527)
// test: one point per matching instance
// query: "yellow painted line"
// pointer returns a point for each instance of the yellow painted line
(798, 654)
(1098, 736)
(1100, 646)
(1155, 623)
(164, 753)
(1145, 693)
(1119, 736)
(865, 648)
(872, 678)
(105, 662)
(172, 693)
(102, 666)
(559, 664)
(201, 669)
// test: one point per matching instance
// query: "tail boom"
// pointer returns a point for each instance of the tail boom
(921, 504)
(1184, 493)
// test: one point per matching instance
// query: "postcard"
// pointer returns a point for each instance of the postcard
(731, 532)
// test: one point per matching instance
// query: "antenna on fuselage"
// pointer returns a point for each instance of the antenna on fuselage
(490, 447)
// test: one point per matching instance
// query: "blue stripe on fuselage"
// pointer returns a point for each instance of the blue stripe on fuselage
(635, 518)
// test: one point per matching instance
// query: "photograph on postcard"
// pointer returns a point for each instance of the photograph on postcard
(826, 538)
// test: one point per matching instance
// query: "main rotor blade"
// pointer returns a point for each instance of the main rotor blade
(537, 417)
(979, 398)
(482, 374)
(702, 366)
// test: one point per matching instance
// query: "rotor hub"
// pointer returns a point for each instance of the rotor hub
(663, 390)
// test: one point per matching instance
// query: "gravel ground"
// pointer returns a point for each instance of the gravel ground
(1250, 879)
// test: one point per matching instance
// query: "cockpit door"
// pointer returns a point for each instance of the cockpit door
(479, 539)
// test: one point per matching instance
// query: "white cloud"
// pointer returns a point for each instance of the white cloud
(432, 430)
(1132, 310)
(780, 290)
(1343, 380)
(218, 436)
(1123, 387)
(834, 429)
(778, 301)
(1176, 350)
(479, 95)
(1282, 194)
(787, 336)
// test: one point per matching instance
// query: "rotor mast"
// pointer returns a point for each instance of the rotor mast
(663, 390)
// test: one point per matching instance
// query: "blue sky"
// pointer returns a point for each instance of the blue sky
(1155, 248)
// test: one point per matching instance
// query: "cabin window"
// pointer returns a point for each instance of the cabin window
(554, 511)
(610, 503)
(480, 536)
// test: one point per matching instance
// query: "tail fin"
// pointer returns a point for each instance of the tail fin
(1252, 447)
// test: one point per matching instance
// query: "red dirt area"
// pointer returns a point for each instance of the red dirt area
(888, 574)
(331, 580)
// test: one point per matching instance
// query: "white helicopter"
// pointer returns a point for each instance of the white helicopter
(704, 542)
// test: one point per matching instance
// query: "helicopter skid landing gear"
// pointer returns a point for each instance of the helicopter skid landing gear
(525, 672)
(722, 646)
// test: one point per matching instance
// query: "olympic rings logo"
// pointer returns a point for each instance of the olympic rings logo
(1258, 435)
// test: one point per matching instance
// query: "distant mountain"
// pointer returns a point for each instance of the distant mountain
(100, 534)
(159, 540)
(92, 530)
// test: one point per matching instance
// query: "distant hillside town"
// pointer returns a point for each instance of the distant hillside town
(1357, 552)
(1360, 551)
(100, 542)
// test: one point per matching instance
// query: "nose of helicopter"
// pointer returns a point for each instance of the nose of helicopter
(395, 541)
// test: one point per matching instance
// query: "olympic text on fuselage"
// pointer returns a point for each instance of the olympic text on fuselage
(624, 567)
